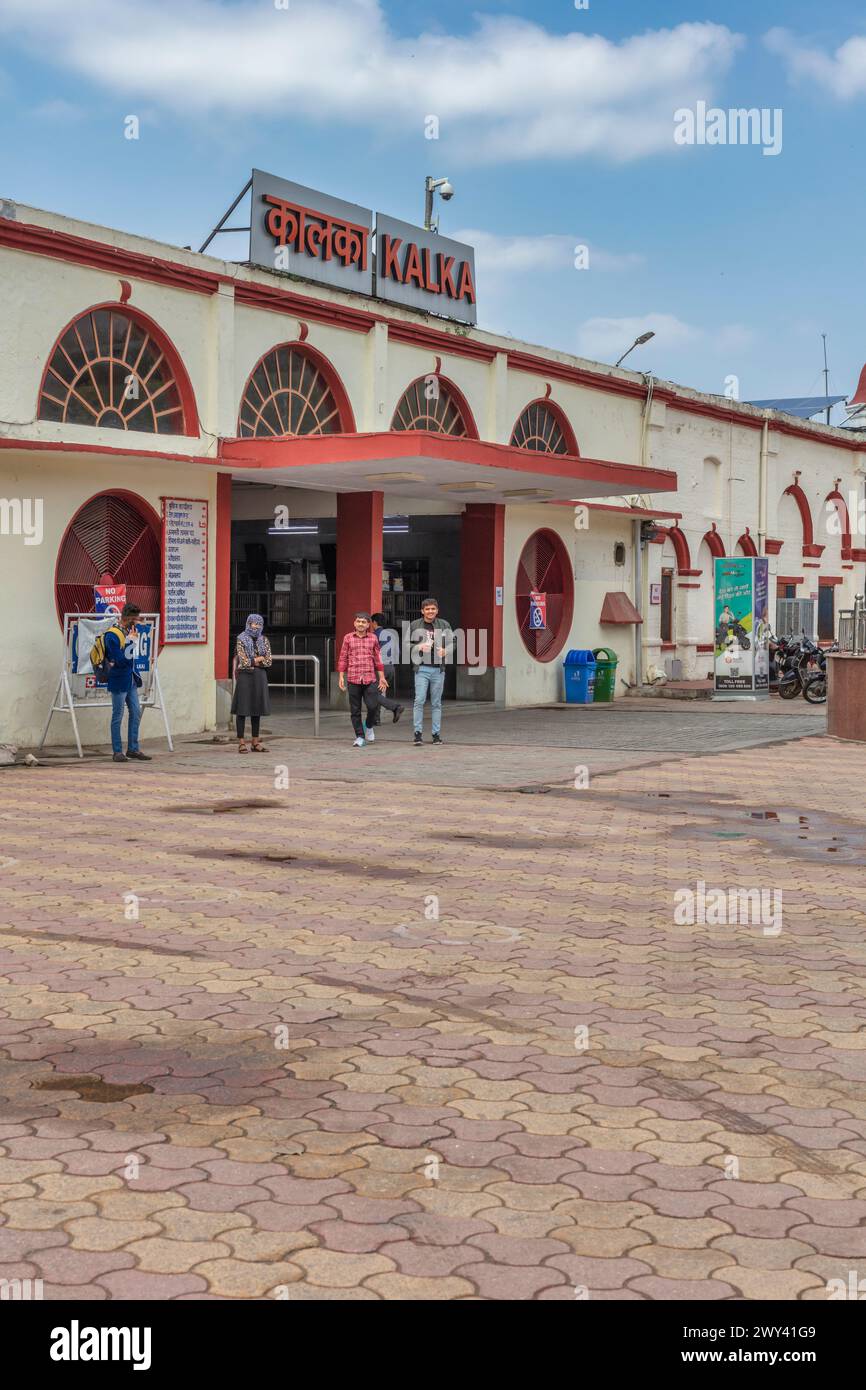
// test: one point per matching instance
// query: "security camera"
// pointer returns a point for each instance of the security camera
(446, 191)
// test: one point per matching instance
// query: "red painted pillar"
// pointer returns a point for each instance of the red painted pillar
(482, 568)
(223, 571)
(359, 558)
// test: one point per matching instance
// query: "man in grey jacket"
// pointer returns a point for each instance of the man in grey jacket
(432, 647)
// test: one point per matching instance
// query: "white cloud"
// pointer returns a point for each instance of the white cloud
(843, 72)
(508, 90)
(606, 339)
(734, 337)
(533, 255)
(58, 110)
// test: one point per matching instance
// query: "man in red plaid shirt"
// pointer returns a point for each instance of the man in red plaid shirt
(360, 659)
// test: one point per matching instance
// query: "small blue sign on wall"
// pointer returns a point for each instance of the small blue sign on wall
(537, 612)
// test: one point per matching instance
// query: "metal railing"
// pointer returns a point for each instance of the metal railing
(852, 627)
(321, 608)
(284, 608)
(301, 647)
(403, 606)
(301, 685)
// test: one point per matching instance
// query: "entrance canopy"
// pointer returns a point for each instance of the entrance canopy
(418, 464)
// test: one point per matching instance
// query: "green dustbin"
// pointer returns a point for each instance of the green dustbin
(606, 663)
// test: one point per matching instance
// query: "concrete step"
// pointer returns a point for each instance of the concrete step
(673, 690)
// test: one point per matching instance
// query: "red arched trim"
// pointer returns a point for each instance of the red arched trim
(746, 544)
(836, 496)
(329, 372)
(561, 419)
(144, 509)
(715, 543)
(802, 501)
(680, 545)
(160, 337)
(456, 395)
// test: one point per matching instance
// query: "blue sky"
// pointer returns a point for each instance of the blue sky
(556, 128)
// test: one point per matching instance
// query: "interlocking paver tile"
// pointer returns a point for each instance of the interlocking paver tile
(404, 1287)
(510, 1281)
(772, 1284)
(432, 1130)
(338, 1269)
(684, 1289)
(231, 1278)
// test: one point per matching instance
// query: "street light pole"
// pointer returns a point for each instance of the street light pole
(638, 342)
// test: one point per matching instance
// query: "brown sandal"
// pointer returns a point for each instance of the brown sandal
(242, 746)
(258, 746)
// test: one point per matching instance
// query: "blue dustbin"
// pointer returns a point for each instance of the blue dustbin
(579, 671)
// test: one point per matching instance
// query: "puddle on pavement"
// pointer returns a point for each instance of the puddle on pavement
(812, 835)
(216, 808)
(318, 863)
(92, 1088)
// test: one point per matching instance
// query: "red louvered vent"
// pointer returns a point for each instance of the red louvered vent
(109, 535)
(544, 568)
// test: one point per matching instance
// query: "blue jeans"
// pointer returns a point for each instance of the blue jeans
(119, 698)
(430, 678)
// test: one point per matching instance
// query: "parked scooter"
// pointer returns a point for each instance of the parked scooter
(801, 668)
(778, 649)
(815, 688)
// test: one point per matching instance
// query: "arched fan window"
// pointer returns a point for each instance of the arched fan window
(115, 370)
(290, 392)
(113, 534)
(544, 429)
(432, 404)
(544, 590)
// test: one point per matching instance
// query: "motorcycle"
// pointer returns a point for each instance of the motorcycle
(803, 670)
(792, 676)
(815, 688)
(778, 651)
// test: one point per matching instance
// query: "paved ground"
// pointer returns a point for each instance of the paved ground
(400, 1030)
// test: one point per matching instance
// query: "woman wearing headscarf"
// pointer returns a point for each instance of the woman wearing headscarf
(251, 697)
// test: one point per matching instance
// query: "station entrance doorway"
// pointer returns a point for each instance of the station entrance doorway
(288, 573)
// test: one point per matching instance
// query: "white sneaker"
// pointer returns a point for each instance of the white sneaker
(359, 743)
(371, 737)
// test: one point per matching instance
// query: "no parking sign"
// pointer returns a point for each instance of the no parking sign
(108, 598)
(537, 611)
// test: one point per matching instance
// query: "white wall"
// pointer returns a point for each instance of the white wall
(591, 551)
(30, 632)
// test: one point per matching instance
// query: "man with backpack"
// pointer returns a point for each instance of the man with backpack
(123, 683)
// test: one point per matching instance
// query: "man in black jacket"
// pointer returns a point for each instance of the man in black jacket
(432, 643)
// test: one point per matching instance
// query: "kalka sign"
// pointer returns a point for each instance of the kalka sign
(424, 270)
(311, 234)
